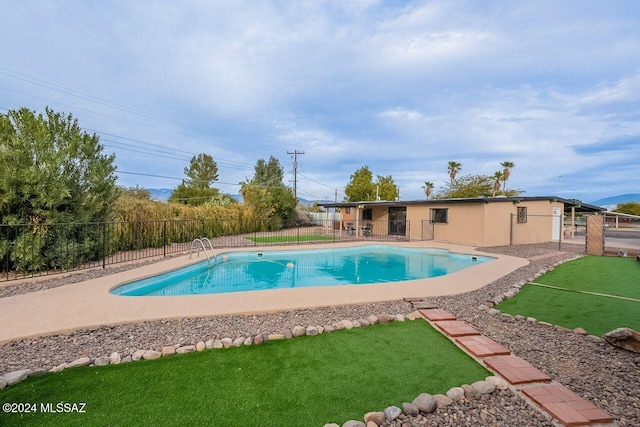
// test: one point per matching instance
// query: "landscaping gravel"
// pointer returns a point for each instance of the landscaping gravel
(608, 376)
(24, 286)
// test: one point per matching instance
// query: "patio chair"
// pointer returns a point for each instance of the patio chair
(367, 230)
(351, 230)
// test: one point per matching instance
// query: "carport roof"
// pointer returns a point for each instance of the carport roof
(568, 203)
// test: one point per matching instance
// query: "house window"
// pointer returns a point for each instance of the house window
(522, 215)
(347, 210)
(440, 215)
(367, 215)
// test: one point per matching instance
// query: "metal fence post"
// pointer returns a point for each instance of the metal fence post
(164, 239)
(104, 245)
(511, 230)
(561, 225)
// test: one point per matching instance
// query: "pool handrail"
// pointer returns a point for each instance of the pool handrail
(204, 248)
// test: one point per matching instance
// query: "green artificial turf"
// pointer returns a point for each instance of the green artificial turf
(290, 239)
(298, 382)
(595, 314)
(606, 275)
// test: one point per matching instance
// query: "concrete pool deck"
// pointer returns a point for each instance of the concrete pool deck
(89, 304)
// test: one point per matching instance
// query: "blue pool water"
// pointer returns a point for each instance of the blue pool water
(250, 271)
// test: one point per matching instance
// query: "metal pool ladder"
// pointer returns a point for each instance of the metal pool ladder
(202, 243)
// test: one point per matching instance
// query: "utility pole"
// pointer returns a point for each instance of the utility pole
(295, 172)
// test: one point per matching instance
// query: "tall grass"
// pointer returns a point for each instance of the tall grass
(140, 223)
(136, 223)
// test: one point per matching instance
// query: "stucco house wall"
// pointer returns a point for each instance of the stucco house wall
(540, 224)
(496, 224)
(464, 225)
(478, 222)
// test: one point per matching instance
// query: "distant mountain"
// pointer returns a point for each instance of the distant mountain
(162, 194)
(615, 200)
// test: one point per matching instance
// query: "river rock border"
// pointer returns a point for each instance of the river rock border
(427, 403)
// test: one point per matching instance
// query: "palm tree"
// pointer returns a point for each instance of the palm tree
(499, 176)
(506, 172)
(453, 169)
(428, 186)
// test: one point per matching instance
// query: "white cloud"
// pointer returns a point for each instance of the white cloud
(626, 89)
(402, 115)
(403, 87)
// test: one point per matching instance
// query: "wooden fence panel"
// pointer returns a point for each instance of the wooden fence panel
(595, 235)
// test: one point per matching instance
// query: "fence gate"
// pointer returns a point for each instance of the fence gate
(427, 232)
(595, 235)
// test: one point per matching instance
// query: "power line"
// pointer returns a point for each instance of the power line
(90, 98)
(318, 182)
(277, 185)
(148, 174)
(110, 104)
(136, 140)
(148, 115)
(141, 152)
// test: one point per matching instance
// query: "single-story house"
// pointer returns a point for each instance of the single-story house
(474, 221)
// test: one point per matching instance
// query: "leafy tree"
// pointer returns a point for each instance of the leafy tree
(52, 172)
(469, 186)
(202, 171)
(268, 173)
(631, 208)
(192, 196)
(315, 208)
(361, 186)
(196, 190)
(472, 186)
(386, 188)
(267, 195)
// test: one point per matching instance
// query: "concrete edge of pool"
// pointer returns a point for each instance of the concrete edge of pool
(89, 304)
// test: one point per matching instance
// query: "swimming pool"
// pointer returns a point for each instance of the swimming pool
(251, 271)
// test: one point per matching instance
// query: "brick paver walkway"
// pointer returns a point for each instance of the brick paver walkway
(481, 346)
(516, 370)
(436, 314)
(456, 328)
(565, 406)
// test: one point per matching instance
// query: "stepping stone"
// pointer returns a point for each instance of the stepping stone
(481, 346)
(456, 328)
(436, 314)
(423, 305)
(566, 406)
(516, 370)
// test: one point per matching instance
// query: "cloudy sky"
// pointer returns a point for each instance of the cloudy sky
(400, 86)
